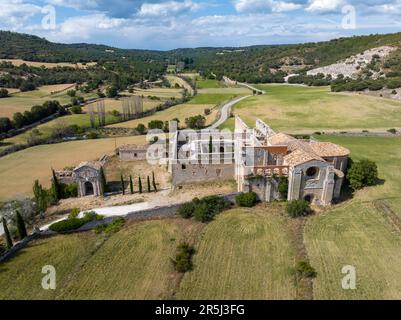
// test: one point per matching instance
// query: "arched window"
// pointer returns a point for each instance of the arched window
(312, 172)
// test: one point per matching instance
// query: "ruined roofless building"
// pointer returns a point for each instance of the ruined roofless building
(259, 157)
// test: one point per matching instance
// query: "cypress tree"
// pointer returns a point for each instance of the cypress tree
(140, 185)
(122, 184)
(210, 144)
(21, 229)
(103, 180)
(40, 196)
(148, 181)
(9, 241)
(56, 188)
(154, 182)
(131, 185)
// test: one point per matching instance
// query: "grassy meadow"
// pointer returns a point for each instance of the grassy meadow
(300, 109)
(243, 254)
(363, 232)
(132, 264)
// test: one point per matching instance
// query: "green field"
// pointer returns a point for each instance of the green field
(243, 254)
(362, 232)
(21, 169)
(207, 83)
(132, 264)
(299, 109)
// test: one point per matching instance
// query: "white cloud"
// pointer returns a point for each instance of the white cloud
(388, 8)
(263, 5)
(166, 9)
(13, 13)
(324, 6)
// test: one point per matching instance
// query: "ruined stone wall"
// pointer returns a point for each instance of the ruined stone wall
(133, 155)
(190, 173)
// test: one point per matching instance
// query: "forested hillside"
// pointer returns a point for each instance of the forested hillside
(251, 64)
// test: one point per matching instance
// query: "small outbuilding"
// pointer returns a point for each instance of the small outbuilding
(89, 179)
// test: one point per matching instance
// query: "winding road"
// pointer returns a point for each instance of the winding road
(225, 110)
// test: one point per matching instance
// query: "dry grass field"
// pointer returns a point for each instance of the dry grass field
(22, 101)
(22, 168)
(243, 254)
(181, 112)
(18, 62)
(114, 104)
(299, 109)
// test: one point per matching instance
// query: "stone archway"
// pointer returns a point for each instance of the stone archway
(89, 190)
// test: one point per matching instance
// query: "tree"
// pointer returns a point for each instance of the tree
(140, 185)
(5, 125)
(3, 93)
(71, 93)
(148, 181)
(196, 122)
(154, 181)
(298, 208)
(56, 188)
(156, 124)
(40, 197)
(112, 92)
(141, 128)
(362, 174)
(9, 241)
(131, 185)
(210, 144)
(122, 184)
(21, 229)
(103, 180)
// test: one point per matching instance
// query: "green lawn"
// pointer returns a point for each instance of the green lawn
(212, 98)
(207, 83)
(297, 109)
(359, 232)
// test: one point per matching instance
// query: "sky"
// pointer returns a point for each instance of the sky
(169, 24)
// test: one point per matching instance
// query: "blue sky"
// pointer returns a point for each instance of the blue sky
(168, 24)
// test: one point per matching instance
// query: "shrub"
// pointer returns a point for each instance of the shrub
(183, 259)
(362, 174)
(207, 111)
(186, 210)
(67, 225)
(156, 124)
(393, 131)
(298, 208)
(246, 199)
(93, 135)
(74, 213)
(76, 109)
(205, 209)
(112, 227)
(112, 92)
(305, 270)
(283, 187)
(74, 223)
(141, 128)
(3, 93)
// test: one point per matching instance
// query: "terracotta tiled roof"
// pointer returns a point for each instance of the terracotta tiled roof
(279, 139)
(300, 156)
(302, 151)
(328, 149)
